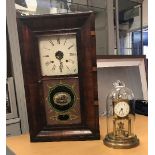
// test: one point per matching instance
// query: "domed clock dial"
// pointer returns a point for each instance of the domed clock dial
(58, 54)
(122, 109)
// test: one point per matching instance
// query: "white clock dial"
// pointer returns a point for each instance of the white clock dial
(122, 109)
(58, 54)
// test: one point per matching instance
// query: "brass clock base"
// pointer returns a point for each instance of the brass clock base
(121, 143)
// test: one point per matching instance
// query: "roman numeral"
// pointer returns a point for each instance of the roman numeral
(72, 54)
(47, 63)
(71, 61)
(47, 48)
(45, 55)
(70, 47)
(65, 41)
(58, 40)
(51, 42)
(53, 68)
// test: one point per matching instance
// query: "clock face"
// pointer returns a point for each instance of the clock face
(122, 109)
(58, 54)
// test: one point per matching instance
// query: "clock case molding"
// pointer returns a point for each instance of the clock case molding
(29, 27)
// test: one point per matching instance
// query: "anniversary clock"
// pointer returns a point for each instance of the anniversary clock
(120, 118)
(60, 76)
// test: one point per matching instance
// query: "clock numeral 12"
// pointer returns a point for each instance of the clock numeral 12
(67, 67)
(58, 40)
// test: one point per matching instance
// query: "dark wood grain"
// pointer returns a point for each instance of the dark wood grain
(30, 27)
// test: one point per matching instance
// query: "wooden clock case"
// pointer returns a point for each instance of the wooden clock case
(29, 27)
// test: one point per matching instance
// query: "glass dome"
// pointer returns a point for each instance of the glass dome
(120, 108)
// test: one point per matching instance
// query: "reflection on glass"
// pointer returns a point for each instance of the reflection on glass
(127, 19)
(42, 7)
(35, 7)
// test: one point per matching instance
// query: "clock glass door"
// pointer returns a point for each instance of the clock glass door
(62, 101)
(58, 60)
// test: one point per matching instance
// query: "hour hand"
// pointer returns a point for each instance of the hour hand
(61, 66)
(121, 111)
(59, 55)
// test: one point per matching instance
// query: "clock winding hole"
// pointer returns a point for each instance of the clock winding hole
(59, 55)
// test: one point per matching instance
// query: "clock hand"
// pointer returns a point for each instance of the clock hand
(61, 66)
(121, 111)
(59, 55)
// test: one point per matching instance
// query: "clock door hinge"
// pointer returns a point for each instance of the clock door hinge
(92, 33)
(96, 103)
(39, 81)
(94, 69)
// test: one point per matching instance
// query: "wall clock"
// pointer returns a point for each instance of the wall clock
(60, 76)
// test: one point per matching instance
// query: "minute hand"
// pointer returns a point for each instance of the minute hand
(121, 111)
